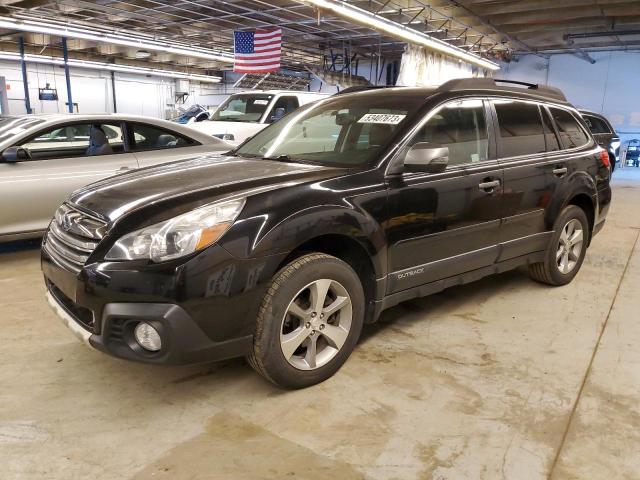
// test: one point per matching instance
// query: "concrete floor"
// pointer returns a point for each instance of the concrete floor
(504, 378)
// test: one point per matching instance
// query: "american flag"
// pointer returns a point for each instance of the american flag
(257, 52)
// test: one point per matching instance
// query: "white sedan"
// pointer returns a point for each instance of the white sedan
(43, 158)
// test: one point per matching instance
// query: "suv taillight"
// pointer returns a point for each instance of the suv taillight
(604, 158)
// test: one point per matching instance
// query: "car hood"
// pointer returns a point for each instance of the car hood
(211, 178)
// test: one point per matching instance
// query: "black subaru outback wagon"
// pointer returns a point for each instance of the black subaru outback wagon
(283, 248)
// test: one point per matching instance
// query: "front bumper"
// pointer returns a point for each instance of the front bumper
(204, 308)
(183, 341)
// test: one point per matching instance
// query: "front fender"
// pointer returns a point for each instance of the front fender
(304, 225)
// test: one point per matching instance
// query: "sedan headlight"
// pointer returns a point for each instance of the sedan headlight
(179, 236)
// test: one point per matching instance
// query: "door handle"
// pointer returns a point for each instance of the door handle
(560, 172)
(489, 186)
(124, 169)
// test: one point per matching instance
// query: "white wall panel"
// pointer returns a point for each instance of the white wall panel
(92, 91)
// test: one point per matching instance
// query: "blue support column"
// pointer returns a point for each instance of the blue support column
(65, 53)
(25, 80)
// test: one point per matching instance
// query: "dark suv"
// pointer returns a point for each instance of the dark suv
(282, 249)
(604, 134)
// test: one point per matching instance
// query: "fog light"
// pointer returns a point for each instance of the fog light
(147, 337)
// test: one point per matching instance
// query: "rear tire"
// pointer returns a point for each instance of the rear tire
(309, 321)
(566, 250)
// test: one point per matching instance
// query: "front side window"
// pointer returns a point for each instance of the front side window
(243, 108)
(346, 131)
(460, 126)
(521, 131)
(148, 137)
(571, 133)
(76, 140)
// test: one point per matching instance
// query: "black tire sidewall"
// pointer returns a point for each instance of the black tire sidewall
(569, 213)
(279, 370)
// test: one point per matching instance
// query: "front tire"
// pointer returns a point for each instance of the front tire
(309, 321)
(566, 250)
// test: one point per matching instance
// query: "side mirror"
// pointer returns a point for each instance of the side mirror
(426, 157)
(278, 114)
(15, 154)
(201, 117)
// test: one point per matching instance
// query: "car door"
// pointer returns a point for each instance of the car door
(444, 224)
(153, 145)
(528, 150)
(59, 164)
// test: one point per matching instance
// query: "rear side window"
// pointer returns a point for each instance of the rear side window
(521, 130)
(596, 125)
(571, 133)
(148, 137)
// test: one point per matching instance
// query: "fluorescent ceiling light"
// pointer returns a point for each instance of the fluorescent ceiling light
(110, 67)
(398, 30)
(70, 31)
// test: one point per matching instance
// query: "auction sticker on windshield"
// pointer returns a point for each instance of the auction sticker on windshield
(386, 118)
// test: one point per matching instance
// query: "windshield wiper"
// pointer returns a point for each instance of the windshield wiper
(281, 158)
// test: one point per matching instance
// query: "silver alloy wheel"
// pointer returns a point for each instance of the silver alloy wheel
(569, 246)
(316, 324)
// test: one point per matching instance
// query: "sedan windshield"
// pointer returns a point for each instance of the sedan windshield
(11, 126)
(243, 108)
(342, 131)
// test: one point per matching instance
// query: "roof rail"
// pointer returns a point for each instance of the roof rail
(362, 88)
(482, 83)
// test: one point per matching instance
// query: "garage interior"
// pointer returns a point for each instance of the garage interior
(501, 378)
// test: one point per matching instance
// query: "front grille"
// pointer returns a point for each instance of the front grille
(82, 315)
(72, 237)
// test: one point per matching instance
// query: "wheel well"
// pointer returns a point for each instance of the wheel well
(586, 204)
(347, 250)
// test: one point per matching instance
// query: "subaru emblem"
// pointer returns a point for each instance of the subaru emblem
(66, 222)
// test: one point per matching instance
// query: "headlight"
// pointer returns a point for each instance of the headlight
(178, 236)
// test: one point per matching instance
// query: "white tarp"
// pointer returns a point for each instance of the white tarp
(422, 68)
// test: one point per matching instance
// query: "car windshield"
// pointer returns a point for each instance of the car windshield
(350, 130)
(11, 126)
(242, 108)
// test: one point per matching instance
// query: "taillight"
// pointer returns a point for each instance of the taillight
(604, 158)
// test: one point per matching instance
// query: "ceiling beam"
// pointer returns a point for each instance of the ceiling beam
(489, 24)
